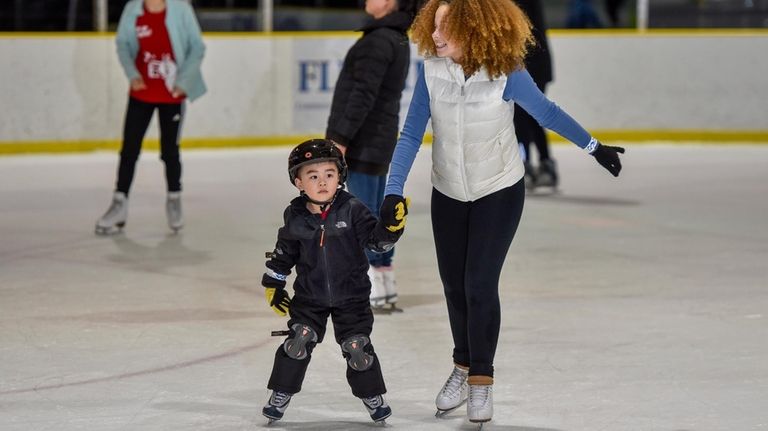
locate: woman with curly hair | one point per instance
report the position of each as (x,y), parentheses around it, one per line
(472,77)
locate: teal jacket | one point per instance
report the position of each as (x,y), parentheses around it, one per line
(186,41)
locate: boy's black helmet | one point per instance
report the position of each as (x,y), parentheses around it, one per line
(313,151)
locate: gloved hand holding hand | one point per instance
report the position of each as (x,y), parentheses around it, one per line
(608,157)
(393,212)
(278,299)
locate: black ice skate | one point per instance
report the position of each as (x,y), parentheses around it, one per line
(377,408)
(547,175)
(276,406)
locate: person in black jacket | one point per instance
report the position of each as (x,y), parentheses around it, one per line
(364,117)
(539,65)
(325,235)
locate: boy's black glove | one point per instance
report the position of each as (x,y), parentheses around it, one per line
(382,240)
(277,297)
(393,212)
(608,158)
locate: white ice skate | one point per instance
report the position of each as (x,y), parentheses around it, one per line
(390,290)
(454,392)
(480,404)
(276,406)
(378,294)
(173,211)
(114,219)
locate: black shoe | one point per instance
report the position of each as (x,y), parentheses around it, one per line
(377,408)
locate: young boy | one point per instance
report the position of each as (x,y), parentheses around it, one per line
(325,235)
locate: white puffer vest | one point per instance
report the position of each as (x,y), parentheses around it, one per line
(475,151)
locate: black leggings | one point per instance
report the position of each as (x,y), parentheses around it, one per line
(137,117)
(528,130)
(472,240)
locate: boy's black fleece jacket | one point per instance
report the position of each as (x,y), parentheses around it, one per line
(329,255)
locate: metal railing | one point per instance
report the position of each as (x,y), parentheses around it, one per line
(297,15)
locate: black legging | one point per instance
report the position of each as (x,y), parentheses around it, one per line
(472,240)
(137,117)
(528,130)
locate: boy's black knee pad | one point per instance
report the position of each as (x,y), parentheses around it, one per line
(301,341)
(357,349)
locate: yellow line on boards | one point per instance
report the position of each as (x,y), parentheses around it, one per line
(607,136)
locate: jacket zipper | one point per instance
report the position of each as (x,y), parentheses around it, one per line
(325,263)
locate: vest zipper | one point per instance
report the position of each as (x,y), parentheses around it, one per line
(461,142)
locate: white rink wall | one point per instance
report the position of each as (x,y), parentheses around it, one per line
(65,88)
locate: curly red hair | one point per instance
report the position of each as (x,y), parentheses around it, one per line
(495,34)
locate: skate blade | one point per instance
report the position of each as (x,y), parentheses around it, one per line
(382,421)
(443,413)
(271,419)
(544,191)
(386,309)
(480,421)
(108,231)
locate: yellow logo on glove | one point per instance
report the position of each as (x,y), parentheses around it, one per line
(401,211)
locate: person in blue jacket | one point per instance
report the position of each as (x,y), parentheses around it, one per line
(160,47)
(472,77)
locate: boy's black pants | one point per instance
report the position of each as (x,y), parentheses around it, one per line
(137,117)
(350,318)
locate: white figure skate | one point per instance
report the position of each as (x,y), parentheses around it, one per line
(114,219)
(173,211)
(454,392)
(480,404)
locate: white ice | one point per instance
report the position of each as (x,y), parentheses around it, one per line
(637,303)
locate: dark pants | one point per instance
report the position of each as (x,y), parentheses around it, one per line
(369,189)
(351,318)
(528,130)
(137,117)
(582,14)
(472,240)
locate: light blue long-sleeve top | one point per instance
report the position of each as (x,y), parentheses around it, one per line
(520,89)
(186,42)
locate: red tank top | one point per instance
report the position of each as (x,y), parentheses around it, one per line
(155,59)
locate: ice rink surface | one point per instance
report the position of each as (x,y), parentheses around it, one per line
(638,303)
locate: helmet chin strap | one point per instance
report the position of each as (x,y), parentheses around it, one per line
(323,204)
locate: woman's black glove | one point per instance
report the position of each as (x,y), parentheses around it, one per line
(393,212)
(608,157)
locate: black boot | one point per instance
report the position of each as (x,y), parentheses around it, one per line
(547,175)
